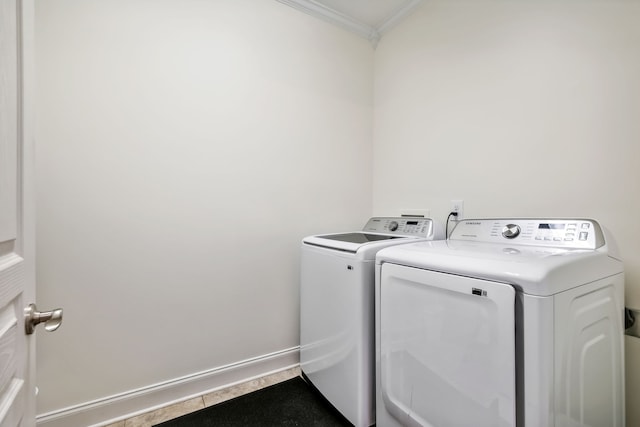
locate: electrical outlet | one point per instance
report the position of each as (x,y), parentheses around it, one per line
(457,206)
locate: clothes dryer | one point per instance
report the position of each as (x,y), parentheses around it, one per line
(509,322)
(337,310)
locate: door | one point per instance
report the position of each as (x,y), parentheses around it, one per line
(17,269)
(447,349)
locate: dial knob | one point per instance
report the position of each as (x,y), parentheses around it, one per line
(511,231)
(393,225)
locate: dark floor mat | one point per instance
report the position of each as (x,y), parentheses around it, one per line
(290,403)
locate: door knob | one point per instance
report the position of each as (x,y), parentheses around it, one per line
(32,317)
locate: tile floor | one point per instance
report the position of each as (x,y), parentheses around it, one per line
(173,411)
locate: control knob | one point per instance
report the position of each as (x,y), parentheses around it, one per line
(393,225)
(511,231)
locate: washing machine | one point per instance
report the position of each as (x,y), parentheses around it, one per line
(508,322)
(337,309)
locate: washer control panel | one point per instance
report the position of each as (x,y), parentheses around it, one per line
(561,233)
(406,226)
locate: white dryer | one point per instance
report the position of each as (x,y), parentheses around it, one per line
(337,310)
(509,322)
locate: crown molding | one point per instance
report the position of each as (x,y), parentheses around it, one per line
(397,16)
(340,19)
(317,10)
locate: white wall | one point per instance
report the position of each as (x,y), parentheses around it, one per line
(184,147)
(520,108)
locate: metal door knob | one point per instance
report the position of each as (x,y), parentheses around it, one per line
(32,317)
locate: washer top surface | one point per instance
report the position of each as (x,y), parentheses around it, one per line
(538,256)
(359,237)
(378,232)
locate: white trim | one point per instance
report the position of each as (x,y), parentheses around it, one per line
(398,16)
(114,408)
(347,22)
(318,10)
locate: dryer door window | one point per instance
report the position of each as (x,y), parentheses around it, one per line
(447,348)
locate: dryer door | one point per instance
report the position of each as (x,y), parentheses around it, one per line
(447,349)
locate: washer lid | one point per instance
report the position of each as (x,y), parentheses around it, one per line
(365,244)
(378,232)
(358,237)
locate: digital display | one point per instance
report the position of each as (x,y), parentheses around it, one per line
(551,226)
(412,222)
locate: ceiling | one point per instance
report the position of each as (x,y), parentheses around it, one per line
(367,18)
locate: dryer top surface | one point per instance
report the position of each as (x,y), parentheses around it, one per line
(537,260)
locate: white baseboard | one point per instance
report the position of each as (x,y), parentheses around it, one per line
(134,402)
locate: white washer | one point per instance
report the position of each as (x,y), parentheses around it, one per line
(337,310)
(509,322)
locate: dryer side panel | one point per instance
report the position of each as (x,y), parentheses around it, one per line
(589,361)
(447,349)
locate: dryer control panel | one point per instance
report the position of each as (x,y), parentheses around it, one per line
(550,232)
(406,226)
